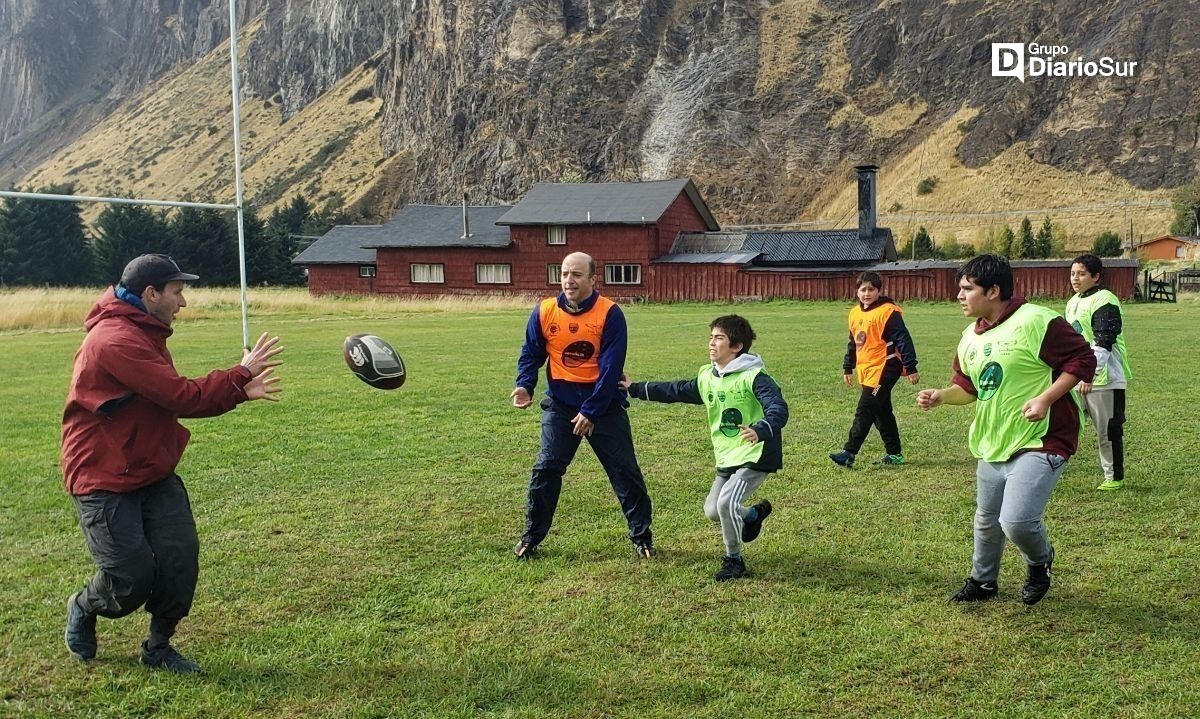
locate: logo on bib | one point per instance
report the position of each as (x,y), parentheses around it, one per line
(577,353)
(731,420)
(989,380)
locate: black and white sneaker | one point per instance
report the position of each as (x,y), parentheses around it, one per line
(525,549)
(80,634)
(1037,583)
(974,591)
(644,549)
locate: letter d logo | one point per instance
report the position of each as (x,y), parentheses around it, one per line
(1008,60)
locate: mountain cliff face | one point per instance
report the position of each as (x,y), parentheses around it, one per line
(761,102)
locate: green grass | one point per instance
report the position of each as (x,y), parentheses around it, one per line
(356,544)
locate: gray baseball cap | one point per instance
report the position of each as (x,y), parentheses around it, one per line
(147,270)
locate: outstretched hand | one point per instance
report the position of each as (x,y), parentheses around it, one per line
(520,398)
(264,385)
(259,357)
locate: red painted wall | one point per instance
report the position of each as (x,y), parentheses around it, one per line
(681,216)
(338,280)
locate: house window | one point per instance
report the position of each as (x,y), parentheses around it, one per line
(427,273)
(554,274)
(366,270)
(493,274)
(622,274)
(556,234)
(1180,252)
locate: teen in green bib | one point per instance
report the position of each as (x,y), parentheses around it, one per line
(1095,312)
(1017,363)
(746,413)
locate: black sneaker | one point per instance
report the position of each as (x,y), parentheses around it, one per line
(80,634)
(1037,583)
(169,659)
(843,459)
(525,549)
(644,549)
(973,591)
(731,568)
(750,530)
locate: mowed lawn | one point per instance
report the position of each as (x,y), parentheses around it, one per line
(356,544)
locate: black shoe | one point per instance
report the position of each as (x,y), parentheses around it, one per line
(750,530)
(644,549)
(169,659)
(731,568)
(81,631)
(1037,583)
(843,459)
(525,549)
(973,591)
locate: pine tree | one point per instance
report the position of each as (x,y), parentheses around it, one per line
(205,245)
(45,241)
(1027,245)
(1045,239)
(125,231)
(1107,244)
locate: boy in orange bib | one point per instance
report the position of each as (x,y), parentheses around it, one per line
(880,351)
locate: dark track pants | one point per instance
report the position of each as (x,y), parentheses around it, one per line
(612,441)
(145,545)
(875,410)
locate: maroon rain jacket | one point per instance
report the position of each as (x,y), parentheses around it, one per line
(120,426)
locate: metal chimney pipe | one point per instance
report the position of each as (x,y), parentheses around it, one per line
(866,201)
(466,222)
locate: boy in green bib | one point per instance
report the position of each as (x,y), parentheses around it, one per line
(1095,313)
(1017,363)
(746,414)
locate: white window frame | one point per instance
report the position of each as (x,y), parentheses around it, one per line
(620,273)
(556,234)
(493,273)
(1180,252)
(431,273)
(366,270)
(554,274)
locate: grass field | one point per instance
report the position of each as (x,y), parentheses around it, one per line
(356,543)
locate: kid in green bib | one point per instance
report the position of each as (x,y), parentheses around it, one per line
(1095,312)
(746,413)
(1017,363)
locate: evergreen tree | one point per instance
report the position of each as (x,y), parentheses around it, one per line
(1027,245)
(1107,244)
(124,232)
(205,245)
(1045,239)
(45,241)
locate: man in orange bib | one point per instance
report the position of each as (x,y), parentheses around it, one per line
(584,337)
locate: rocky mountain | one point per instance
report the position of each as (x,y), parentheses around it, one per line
(765,103)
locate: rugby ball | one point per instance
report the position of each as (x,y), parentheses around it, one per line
(374,361)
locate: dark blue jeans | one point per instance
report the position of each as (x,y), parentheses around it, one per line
(612,441)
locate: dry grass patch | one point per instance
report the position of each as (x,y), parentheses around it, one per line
(66,307)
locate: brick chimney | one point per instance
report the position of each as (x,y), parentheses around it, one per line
(866,200)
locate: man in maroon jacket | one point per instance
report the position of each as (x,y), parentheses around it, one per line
(121,441)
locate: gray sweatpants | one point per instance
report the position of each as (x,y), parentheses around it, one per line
(1010,501)
(1106,409)
(724,504)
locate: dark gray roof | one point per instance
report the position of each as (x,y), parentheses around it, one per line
(794,247)
(708,258)
(612,203)
(442,226)
(342,245)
